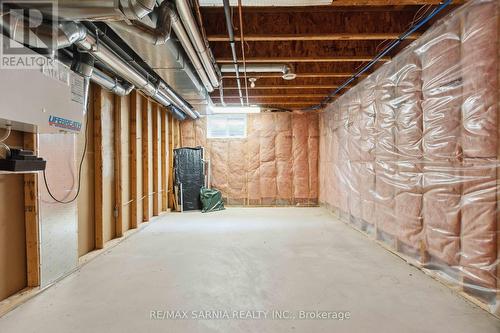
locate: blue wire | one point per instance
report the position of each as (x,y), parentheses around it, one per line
(391,46)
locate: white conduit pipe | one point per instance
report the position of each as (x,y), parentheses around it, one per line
(184,10)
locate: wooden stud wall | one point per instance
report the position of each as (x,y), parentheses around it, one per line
(118,212)
(159,135)
(163,161)
(171,146)
(31,218)
(156,176)
(145,159)
(98,160)
(134,99)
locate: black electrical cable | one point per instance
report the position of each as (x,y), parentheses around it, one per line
(81,163)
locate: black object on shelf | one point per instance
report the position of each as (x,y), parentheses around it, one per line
(22,161)
(189,171)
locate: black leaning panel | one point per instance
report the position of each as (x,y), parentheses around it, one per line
(188,171)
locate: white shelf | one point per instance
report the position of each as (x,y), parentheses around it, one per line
(2,172)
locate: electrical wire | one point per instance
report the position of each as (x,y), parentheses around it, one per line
(79,168)
(5,136)
(384,52)
(242,42)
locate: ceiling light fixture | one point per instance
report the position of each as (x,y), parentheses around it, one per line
(252,82)
(235,109)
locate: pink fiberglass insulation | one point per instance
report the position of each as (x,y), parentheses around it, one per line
(237,169)
(200,129)
(407,102)
(480,76)
(367,137)
(384,197)
(479,210)
(441,210)
(355,202)
(325,148)
(253,160)
(188,133)
(219,160)
(427,137)
(300,157)
(284,160)
(268,172)
(367,191)
(409,203)
(276,164)
(353,108)
(440,53)
(313,156)
(409,128)
(385,144)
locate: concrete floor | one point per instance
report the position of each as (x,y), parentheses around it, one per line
(248,259)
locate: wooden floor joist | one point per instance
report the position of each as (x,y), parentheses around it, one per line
(313,37)
(215,97)
(304,59)
(389,2)
(299,75)
(317,86)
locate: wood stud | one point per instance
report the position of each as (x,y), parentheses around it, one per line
(145,158)
(134,100)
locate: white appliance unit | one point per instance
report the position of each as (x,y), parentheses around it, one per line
(45,99)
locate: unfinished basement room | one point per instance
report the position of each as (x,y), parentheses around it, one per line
(250,166)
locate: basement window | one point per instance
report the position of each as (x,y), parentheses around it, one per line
(227,126)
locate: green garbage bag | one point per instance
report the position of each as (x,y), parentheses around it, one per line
(211,200)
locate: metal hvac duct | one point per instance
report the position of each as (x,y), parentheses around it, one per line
(95,10)
(286,70)
(160,92)
(168,19)
(201,47)
(78,34)
(110,83)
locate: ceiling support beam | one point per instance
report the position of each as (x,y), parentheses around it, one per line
(305,59)
(389,2)
(274,96)
(299,75)
(314,37)
(287,87)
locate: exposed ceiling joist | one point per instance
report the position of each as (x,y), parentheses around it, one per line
(274,96)
(389,2)
(286,87)
(304,59)
(299,75)
(312,37)
(300,104)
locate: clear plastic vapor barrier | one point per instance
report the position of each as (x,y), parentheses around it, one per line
(410,155)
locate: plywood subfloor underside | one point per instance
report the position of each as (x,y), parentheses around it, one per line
(248,259)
